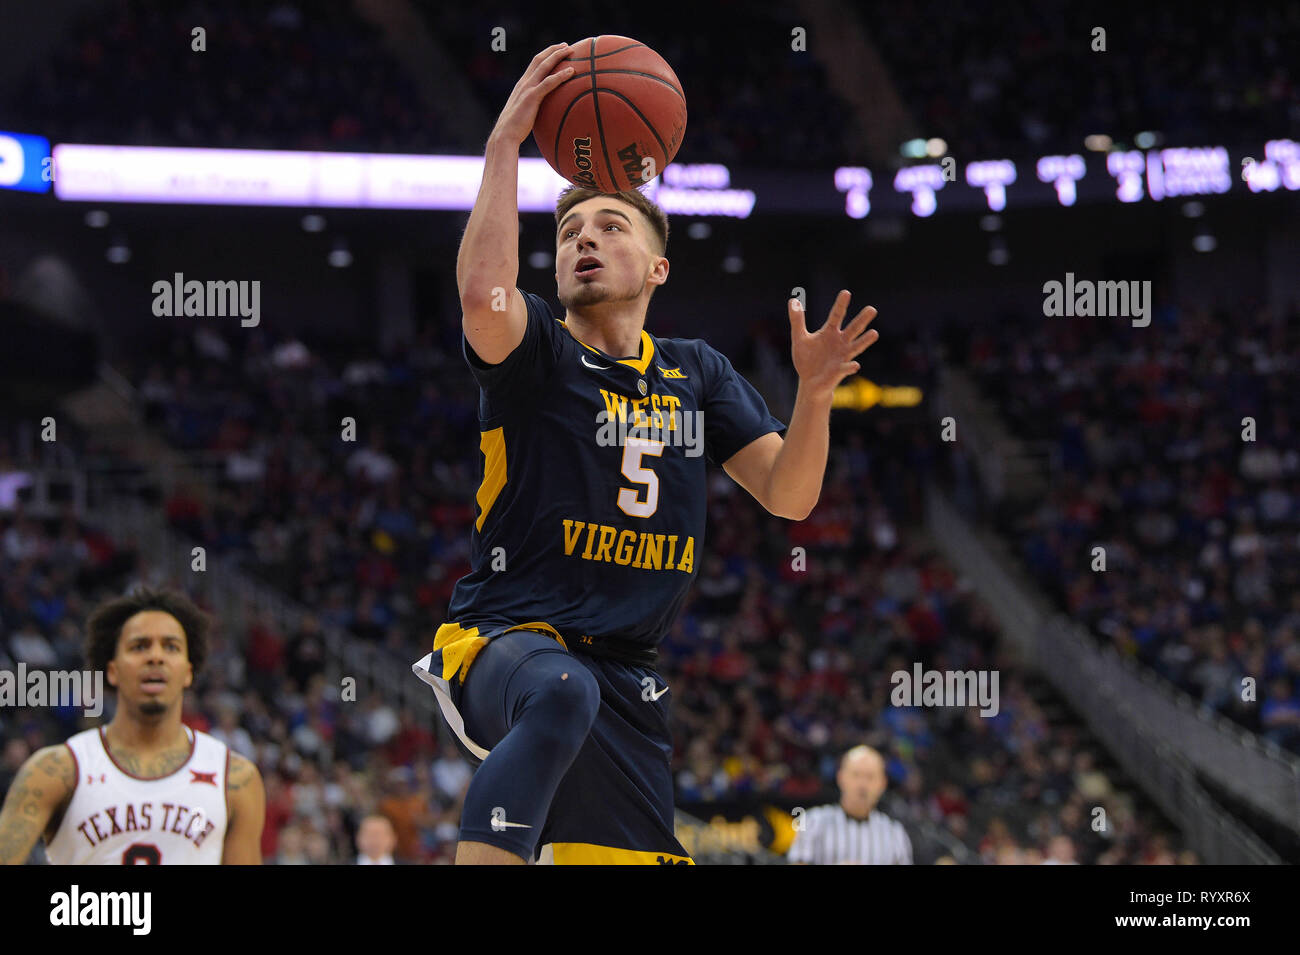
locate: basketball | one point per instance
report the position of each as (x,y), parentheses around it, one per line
(618,121)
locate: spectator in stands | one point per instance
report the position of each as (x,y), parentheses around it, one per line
(1280,715)
(1060,851)
(376,841)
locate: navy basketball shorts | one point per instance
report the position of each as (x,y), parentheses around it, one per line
(614,804)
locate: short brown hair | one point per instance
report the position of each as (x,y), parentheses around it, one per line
(104,627)
(656,217)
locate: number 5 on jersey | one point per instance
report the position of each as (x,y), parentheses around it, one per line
(629,501)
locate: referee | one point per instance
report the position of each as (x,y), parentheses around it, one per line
(855,832)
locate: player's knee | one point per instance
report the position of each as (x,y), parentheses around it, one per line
(564,705)
(575,692)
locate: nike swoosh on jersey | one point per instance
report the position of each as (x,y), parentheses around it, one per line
(655,696)
(503,824)
(590,365)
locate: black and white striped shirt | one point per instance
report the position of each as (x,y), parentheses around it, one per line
(830,836)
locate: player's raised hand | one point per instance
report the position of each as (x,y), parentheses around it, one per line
(520,112)
(824,358)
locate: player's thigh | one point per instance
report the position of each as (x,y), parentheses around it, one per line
(510,673)
(618,793)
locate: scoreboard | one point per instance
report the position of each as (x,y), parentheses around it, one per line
(142,174)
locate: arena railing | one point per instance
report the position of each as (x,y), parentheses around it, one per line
(1147,755)
(1101,684)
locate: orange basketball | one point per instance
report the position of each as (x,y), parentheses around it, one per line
(617,121)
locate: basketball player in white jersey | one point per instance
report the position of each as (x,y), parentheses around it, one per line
(145,789)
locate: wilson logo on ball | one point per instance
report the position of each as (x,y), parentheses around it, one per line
(582,162)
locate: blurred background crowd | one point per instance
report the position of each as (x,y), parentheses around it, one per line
(1202,580)
(776,670)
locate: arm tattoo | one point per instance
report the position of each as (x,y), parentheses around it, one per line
(58,766)
(241,773)
(25,812)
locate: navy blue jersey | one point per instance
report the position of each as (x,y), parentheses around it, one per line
(591,511)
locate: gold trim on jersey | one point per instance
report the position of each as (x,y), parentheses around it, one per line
(493,445)
(539,625)
(459,645)
(586,853)
(640,364)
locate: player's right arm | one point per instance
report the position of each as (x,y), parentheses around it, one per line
(42,787)
(494,316)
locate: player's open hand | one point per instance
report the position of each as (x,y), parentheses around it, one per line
(824,358)
(520,112)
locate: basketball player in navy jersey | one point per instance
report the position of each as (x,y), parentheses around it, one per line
(591,513)
(145,789)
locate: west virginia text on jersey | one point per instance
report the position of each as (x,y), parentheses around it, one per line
(591,535)
(630,548)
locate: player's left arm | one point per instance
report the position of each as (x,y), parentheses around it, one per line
(785,475)
(247,800)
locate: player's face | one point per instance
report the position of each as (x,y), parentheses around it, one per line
(613,232)
(862,780)
(152,667)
